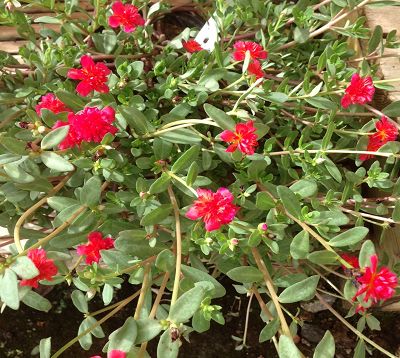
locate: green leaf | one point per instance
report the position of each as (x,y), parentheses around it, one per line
(349,290)
(60,203)
(264,201)
(359,351)
(107,294)
(161,148)
(301,35)
(13,145)
(136,120)
(157,215)
(55,137)
(322,257)
(276,97)
(134,242)
(160,184)
(192,173)
(301,291)
(373,323)
(321,102)
(289,201)
(349,237)
(123,338)
(167,348)
(287,348)
(220,117)
(47,20)
(71,100)
(45,347)
(18,175)
(98,331)
(9,289)
(25,268)
(37,302)
(392,110)
(181,136)
(56,162)
(91,192)
(300,245)
(79,301)
(197,275)
(165,261)
(245,274)
(86,340)
(269,330)
(325,348)
(147,329)
(187,304)
(304,188)
(396,211)
(105,42)
(186,159)
(367,250)
(375,39)
(199,323)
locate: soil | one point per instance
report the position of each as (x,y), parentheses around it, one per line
(21,331)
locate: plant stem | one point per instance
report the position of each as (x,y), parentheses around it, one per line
(54,233)
(143,291)
(354,330)
(268,281)
(208,121)
(98,323)
(246,93)
(375,217)
(178,241)
(246,325)
(333,151)
(381,114)
(154,309)
(326,26)
(32,209)
(161,131)
(180,180)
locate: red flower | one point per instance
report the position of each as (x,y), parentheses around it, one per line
(386,132)
(93,76)
(216,209)
(92,249)
(46,267)
(89,125)
(352,260)
(360,91)
(242,138)
(376,285)
(114,354)
(256,50)
(52,103)
(126,16)
(192,46)
(255,69)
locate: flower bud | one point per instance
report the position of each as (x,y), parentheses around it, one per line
(262,227)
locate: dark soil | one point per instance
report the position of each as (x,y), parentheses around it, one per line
(21,331)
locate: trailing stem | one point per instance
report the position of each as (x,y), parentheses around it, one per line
(143,291)
(270,286)
(121,305)
(178,245)
(354,330)
(31,210)
(154,310)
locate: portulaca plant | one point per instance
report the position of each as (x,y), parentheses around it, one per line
(169,160)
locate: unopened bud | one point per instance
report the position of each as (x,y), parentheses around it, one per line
(41,129)
(263,227)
